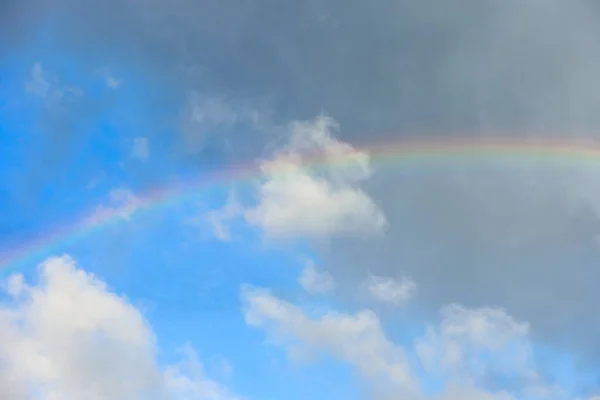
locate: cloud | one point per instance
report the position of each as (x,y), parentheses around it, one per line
(38,84)
(45,85)
(304,60)
(121,201)
(466,351)
(489,233)
(187,380)
(112,82)
(389,290)
(207,118)
(221,218)
(70,337)
(295,201)
(64,119)
(479,345)
(209,112)
(107,75)
(314,281)
(465,336)
(222,366)
(140,148)
(356,339)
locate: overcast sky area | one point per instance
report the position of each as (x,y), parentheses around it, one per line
(194,201)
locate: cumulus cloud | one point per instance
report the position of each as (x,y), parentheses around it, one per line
(356,339)
(484,329)
(467,350)
(389,290)
(475,345)
(298,199)
(70,337)
(314,281)
(310,189)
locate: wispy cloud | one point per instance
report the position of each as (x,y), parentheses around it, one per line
(112,82)
(48,86)
(464,351)
(38,83)
(140,148)
(314,281)
(389,290)
(219,220)
(120,201)
(206,117)
(356,339)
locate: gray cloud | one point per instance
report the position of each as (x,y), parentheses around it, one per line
(490,239)
(312,53)
(383,67)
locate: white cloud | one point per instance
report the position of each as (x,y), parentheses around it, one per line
(121,201)
(187,380)
(69,337)
(140,148)
(470,344)
(356,339)
(297,201)
(219,219)
(74,90)
(314,281)
(389,290)
(38,83)
(464,333)
(112,82)
(46,85)
(466,349)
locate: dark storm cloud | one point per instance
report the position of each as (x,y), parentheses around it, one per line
(381,66)
(377,66)
(386,69)
(490,238)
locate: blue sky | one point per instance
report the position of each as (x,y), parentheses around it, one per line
(357,281)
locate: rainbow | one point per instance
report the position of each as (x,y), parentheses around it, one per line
(401,153)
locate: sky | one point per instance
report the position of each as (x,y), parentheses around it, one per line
(195,202)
